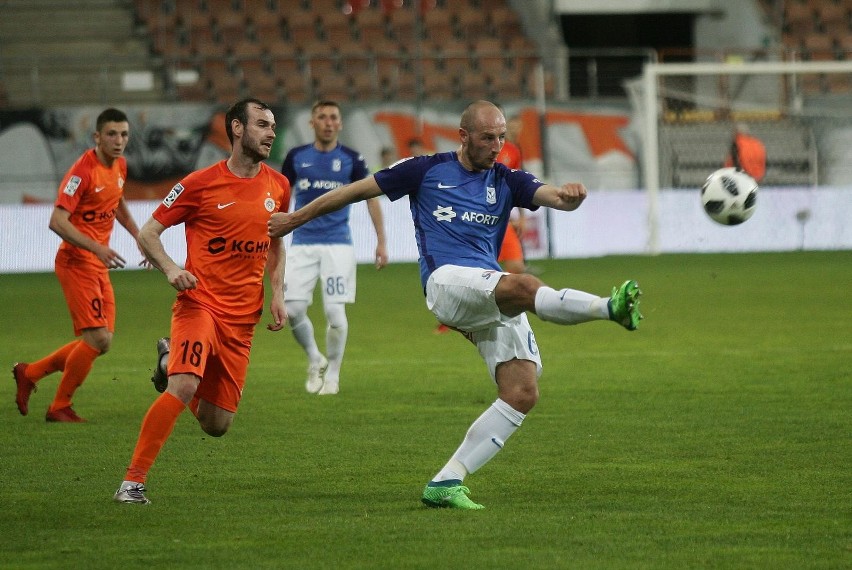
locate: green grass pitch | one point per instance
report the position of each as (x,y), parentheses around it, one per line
(717,436)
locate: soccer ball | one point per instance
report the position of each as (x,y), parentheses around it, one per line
(729,196)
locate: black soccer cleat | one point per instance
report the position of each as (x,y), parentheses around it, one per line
(160,378)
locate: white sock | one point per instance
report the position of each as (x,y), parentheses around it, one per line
(335,339)
(569,307)
(485,437)
(303,328)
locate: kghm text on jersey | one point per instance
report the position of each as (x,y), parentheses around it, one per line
(219,244)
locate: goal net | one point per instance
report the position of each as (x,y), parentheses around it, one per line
(801,110)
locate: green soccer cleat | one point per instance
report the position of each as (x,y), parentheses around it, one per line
(624,305)
(453,497)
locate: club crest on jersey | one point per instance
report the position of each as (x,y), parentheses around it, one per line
(491,195)
(176,191)
(269,204)
(72,185)
(120,182)
(336,165)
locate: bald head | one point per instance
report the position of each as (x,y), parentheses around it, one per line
(482,130)
(480,113)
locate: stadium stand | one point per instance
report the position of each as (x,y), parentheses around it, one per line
(690,153)
(359,36)
(46,60)
(163,36)
(383,40)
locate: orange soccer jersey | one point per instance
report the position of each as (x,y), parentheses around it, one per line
(751,156)
(91,191)
(511,249)
(226,235)
(510,155)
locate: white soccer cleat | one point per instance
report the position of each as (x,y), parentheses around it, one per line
(131,492)
(316,373)
(329,388)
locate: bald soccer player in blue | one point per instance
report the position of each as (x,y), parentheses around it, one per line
(460,204)
(322,250)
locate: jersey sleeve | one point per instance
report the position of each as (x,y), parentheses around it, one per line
(404,177)
(287,168)
(523,186)
(284,183)
(73,185)
(359,168)
(181,202)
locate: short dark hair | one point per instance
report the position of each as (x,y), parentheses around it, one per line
(239,111)
(324,103)
(110,115)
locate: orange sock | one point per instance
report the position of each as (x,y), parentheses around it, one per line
(77,366)
(54,361)
(156,428)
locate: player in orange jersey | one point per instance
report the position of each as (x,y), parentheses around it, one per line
(511,254)
(224,209)
(90,199)
(748,153)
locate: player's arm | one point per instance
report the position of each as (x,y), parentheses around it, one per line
(567,197)
(60,224)
(275,269)
(374,207)
(282,223)
(152,248)
(125,218)
(520,223)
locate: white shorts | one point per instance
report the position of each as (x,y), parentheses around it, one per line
(333,265)
(463,298)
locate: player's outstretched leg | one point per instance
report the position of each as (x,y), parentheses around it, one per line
(448,494)
(24,388)
(624,305)
(160,378)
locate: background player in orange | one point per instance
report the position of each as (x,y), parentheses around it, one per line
(224,209)
(748,153)
(511,254)
(91,198)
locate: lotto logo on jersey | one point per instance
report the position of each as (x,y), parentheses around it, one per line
(176,191)
(72,185)
(444,214)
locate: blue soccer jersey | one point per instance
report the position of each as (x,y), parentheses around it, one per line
(459,216)
(312,173)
